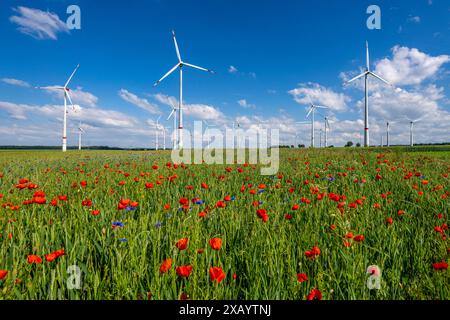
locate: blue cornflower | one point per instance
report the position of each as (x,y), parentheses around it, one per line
(130,208)
(158,225)
(199,202)
(118,224)
(123,240)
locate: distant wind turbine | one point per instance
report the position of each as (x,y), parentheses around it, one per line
(312,111)
(366,75)
(80,132)
(173,115)
(180,65)
(66,91)
(411,130)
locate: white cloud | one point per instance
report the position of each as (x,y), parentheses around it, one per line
(15,111)
(16,82)
(38,24)
(320,95)
(139,102)
(244,104)
(414,19)
(409,66)
(232,69)
(80,97)
(198,111)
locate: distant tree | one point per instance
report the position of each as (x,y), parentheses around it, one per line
(292,146)
(358,145)
(349,144)
(301,146)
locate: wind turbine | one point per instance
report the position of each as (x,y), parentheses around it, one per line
(173,115)
(411,130)
(366,75)
(180,66)
(157,134)
(66,91)
(312,111)
(388,131)
(326,128)
(80,132)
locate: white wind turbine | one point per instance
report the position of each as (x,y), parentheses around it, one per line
(180,66)
(388,131)
(366,75)
(80,132)
(157,134)
(66,91)
(411,130)
(173,115)
(312,111)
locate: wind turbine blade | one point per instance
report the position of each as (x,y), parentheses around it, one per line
(176,46)
(321,107)
(70,99)
(171,114)
(50,88)
(380,78)
(310,110)
(71,76)
(356,78)
(197,67)
(165,76)
(367,56)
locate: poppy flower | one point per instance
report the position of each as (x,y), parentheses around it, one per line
(220,204)
(62,198)
(165,266)
(182,244)
(184,201)
(315,251)
(86,203)
(3,274)
(216,274)
(184,271)
(301,277)
(149,185)
(315,294)
(34,259)
(50,257)
(400,212)
(295,207)
(59,253)
(287,216)
(83,184)
(204,185)
(359,238)
(333,227)
(349,235)
(215,243)
(389,221)
(166,206)
(440,266)
(95,212)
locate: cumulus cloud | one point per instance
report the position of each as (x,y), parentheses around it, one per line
(320,95)
(16,82)
(38,24)
(409,66)
(414,19)
(244,104)
(139,102)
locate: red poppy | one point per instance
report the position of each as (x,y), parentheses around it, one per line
(359,238)
(216,274)
(349,235)
(165,266)
(287,216)
(215,243)
(333,227)
(389,221)
(295,207)
(202,214)
(184,201)
(86,203)
(182,244)
(62,198)
(440,266)
(315,251)
(166,206)
(377,206)
(184,271)
(3,274)
(315,294)
(149,185)
(220,204)
(302,277)
(59,253)
(400,212)
(50,257)
(95,212)
(227,198)
(34,259)
(83,184)
(204,186)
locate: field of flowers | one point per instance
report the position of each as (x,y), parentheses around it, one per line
(141,227)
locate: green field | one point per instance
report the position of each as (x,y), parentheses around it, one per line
(383,207)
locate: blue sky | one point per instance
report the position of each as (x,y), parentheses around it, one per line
(268,55)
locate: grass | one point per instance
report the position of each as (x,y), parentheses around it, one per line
(264,257)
